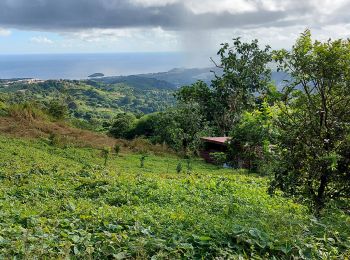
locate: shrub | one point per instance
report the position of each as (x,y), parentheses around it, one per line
(61,141)
(57,109)
(116,149)
(252,138)
(26,111)
(219,158)
(105,154)
(142,160)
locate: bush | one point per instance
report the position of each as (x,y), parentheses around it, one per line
(252,138)
(26,111)
(61,141)
(147,125)
(142,159)
(105,154)
(116,149)
(219,158)
(57,109)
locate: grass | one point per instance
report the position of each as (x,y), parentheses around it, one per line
(62,203)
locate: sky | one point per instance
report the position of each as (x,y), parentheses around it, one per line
(196,27)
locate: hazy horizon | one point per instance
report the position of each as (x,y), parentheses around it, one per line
(81,65)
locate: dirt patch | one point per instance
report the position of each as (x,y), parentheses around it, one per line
(33,129)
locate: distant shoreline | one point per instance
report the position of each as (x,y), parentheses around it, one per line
(80,66)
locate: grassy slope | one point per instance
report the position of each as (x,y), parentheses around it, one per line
(41,128)
(62,202)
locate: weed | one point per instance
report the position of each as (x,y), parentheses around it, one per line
(179,168)
(105,154)
(116,149)
(142,160)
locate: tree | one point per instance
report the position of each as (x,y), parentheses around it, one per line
(123,125)
(182,127)
(146,125)
(314,124)
(245,73)
(199,94)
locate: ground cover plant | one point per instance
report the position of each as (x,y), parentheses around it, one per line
(62,202)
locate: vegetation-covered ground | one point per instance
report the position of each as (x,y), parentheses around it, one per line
(91,101)
(62,202)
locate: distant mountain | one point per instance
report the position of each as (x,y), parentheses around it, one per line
(96,75)
(176,78)
(181,76)
(279,78)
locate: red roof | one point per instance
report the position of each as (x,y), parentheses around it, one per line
(216,140)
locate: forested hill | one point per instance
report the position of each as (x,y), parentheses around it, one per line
(91,100)
(180,76)
(138,82)
(176,78)
(171,79)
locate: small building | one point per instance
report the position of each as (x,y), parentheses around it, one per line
(213,145)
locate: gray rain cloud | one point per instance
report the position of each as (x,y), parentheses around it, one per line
(65,15)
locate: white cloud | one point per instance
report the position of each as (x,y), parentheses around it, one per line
(148,3)
(211,6)
(131,39)
(4,32)
(41,40)
(327,7)
(101,35)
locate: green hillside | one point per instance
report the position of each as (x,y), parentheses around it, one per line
(139,82)
(63,203)
(91,101)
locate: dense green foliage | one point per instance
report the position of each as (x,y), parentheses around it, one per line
(180,127)
(123,125)
(301,134)
(314,122)
(90,104)
(57,109)
(245,74)
(59,203)
(253,137)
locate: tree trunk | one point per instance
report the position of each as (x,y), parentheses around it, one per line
(320,198)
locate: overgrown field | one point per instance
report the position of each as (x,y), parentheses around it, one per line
(62,202)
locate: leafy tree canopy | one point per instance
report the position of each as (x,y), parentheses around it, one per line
(313,157)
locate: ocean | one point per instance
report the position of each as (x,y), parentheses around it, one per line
(80,66)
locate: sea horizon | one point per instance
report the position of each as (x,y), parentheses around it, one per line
(81,65)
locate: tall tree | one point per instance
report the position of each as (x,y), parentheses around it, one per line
(313,158)
(245,73)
